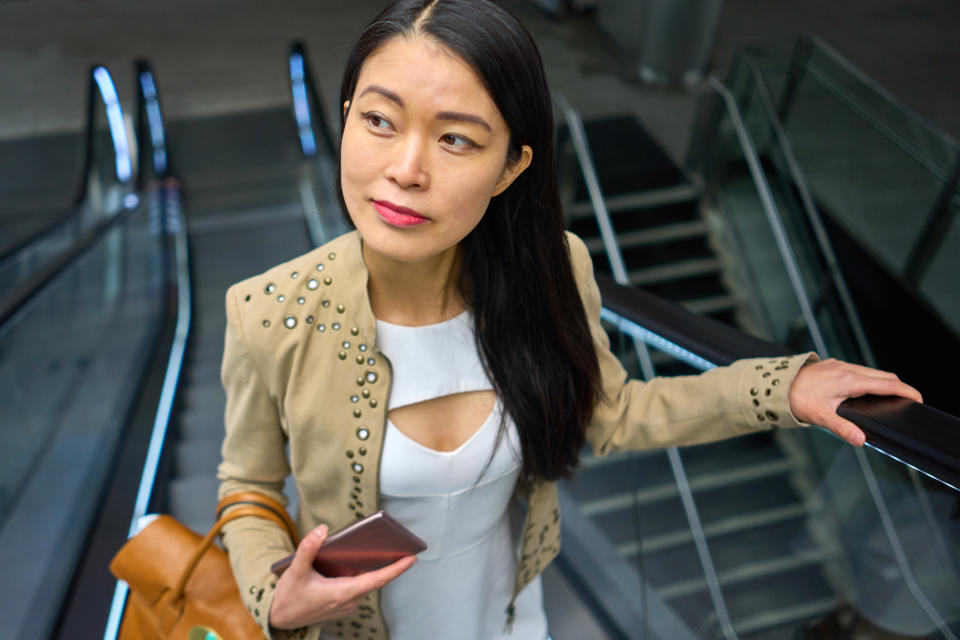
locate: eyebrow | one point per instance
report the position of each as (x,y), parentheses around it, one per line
(382,91)
(463,117)
(441,115)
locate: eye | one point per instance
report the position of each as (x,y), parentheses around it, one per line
(376,121)
(457,141)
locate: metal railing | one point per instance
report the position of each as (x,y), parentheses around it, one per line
(582,149)
(776,225)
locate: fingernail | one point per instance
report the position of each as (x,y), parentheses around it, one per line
(321,531)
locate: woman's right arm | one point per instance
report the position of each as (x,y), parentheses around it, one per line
(254,459)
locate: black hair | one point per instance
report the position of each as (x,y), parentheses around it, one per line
(515,275)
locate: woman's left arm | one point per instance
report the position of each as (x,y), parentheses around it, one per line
(745,397)
(820,387)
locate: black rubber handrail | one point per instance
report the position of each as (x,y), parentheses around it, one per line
(88,604)
(719,343)
(18,297)
(315,108)
(93,90)
(150,128)
(917,434)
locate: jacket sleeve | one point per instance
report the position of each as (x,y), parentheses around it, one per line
(747,396)
(254,459)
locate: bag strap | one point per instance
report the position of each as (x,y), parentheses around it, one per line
(260,500)
(241,505)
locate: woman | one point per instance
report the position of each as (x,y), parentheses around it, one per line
(448,354)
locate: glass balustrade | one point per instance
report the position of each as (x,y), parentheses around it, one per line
(798,532)
(107,188)
(70,365)
(884,172)
(791,533)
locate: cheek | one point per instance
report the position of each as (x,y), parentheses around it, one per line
(473,195)
(355,166)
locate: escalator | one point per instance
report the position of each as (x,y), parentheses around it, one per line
(79,323)
(260,190)
(787,530)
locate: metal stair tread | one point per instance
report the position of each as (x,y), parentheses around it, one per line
(197,456)
(201,424)
(699,458)
(651,235)
(708,481)
(733,524)
(749,571)
(193,499)
(783,615)
(675,270)
(638,200)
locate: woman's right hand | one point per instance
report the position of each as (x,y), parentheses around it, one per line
(305,597)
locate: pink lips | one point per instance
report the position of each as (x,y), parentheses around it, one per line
(396,215)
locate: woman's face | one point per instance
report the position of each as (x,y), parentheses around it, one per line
(424,149)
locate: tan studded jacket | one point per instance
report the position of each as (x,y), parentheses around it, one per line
(307,393)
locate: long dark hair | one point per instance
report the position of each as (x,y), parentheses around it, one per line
(515,267)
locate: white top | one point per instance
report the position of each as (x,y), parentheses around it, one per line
(462,583)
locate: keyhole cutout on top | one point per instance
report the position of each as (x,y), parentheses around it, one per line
(444,424)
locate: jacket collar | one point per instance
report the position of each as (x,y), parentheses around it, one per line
(344,255)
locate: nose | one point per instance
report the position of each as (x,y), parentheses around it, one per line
(408,167)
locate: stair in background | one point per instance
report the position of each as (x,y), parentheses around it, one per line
(770,568)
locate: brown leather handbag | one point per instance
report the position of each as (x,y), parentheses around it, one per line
(181,584)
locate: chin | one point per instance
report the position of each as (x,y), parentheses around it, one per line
(403,245)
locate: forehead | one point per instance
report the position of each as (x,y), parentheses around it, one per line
(424,72)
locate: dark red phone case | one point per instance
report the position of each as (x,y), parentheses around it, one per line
(366,545)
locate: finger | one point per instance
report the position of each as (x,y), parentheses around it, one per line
(846,430)
(886,387)
(868,371)
(372,580)
(307,551)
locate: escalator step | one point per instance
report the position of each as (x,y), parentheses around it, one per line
(198,457)
(193,500)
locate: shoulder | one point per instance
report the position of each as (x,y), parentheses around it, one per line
(294,294)
(581,263)
(580,258)
(578,248)
(285,283)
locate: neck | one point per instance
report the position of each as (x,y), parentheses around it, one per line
(414,293)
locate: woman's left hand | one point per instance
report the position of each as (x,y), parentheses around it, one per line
(819,388)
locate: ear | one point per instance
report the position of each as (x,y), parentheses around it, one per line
(346,107)
(514,169)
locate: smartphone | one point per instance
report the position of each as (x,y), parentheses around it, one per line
(365,545)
